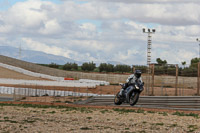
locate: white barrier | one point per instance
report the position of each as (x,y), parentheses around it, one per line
(46,83)
(71,83)
(97,82)
(41,92)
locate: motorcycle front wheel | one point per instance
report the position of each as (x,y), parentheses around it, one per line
(117,100)
(133,99)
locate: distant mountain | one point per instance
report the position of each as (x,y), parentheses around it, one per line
(40,57)
(34,56)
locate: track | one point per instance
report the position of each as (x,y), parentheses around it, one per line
(6,99)
(162,102)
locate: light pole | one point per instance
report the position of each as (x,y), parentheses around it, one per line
(149,43)
(198,40)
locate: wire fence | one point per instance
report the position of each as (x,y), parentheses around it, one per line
(172,80)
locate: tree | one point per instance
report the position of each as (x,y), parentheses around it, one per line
(110,68)
(75,66)
(194,62)
(122,68)
(161,62)
(88,66)
(53,65)
(183,63)
(106,67)
(102,67)
(70,66)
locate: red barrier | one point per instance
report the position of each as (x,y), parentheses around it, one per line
(68,78)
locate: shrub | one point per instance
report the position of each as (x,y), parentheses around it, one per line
(88,66)
(54,65)
(70,66)
(106,67)
(122,68)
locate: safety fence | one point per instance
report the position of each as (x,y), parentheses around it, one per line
(172,80)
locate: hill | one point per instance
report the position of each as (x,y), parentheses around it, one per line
(35,56)
(41,57)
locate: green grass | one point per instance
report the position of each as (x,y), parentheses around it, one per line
(11,121)
(163,113)
(173,125)
(29,121)
(89,118)
(52,112)
(85,128)
(105,111)
(140,111)
(192,128)
(123,110)
(82,109)
(183,114)
(160,124)
(151,112)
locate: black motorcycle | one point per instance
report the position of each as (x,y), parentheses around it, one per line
(130,94)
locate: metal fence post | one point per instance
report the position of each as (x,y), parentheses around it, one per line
(152,85)
(176,84)
(14,96)
(198,78)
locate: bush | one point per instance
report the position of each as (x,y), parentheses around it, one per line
(122,68)
(70,66)
(88,66)
(106,67)
(54,65)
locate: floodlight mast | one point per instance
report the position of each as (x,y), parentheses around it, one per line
(198,40)
(149,43)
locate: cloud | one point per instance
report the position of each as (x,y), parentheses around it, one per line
(59,29)
(150,1)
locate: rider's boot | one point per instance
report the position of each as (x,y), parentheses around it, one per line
(121,92)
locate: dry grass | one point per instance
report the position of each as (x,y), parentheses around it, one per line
(90,120)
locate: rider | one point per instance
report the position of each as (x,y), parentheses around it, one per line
(132,80)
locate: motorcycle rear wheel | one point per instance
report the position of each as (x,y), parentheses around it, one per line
(134,99)
(117,100)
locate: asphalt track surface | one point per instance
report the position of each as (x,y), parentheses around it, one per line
(6,99)
(190,103)
(160,102)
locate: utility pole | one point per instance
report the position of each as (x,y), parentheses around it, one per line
(149,43)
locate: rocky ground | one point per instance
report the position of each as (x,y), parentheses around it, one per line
(37,118)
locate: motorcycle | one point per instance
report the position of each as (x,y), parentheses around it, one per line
(130,94)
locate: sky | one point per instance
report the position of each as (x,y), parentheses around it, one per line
(103,30)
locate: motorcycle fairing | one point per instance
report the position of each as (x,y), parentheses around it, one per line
(129,90)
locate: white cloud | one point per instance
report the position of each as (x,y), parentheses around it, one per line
(54,28)
(50,27)
(38,46)
(150,1)
(88,26)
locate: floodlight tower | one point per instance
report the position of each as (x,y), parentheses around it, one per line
(198,40)
(149,43)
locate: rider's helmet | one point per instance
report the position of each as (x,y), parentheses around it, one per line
(137,73)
